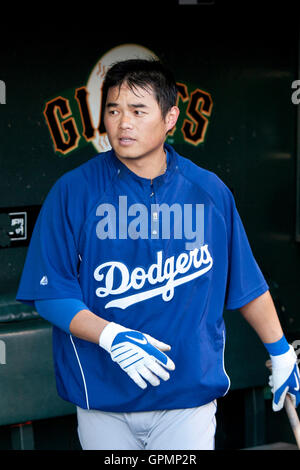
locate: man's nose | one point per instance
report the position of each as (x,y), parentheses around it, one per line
(125,122)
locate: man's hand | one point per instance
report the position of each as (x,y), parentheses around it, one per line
(138,354)
(285,379)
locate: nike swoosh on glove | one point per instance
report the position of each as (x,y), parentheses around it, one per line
(138,354)
(285,379)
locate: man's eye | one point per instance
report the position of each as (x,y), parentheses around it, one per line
(113,112)
(138,112)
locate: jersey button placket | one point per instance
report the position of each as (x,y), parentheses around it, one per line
(154,207)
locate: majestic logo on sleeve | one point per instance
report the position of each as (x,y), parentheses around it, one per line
(160,279)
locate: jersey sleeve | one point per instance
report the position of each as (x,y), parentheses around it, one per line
(245,280)
(50,269)
(59,312)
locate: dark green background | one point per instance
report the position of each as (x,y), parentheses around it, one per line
(251,144)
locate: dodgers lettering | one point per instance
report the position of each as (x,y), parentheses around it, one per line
(199,259)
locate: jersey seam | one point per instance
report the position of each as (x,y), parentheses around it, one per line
(82,373)
(87,218)
(223,364)
(181,171)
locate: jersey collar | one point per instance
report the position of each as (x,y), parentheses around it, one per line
(122,171)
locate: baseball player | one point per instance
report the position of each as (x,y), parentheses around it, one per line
(134,255)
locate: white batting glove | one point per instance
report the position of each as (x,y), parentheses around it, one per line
(285,379)
(138,354)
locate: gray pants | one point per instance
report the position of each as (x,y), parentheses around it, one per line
(186,429)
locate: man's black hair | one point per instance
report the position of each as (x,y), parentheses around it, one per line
(149,74)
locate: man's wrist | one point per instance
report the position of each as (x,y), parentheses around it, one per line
(108,335)
(287,359)
(278,347)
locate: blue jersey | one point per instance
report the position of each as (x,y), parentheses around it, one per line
(100,238)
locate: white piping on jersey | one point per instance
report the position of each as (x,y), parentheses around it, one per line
(223,363)
(82,374)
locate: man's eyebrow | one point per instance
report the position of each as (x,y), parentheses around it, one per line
(111,105)
(138,105)
(133,105)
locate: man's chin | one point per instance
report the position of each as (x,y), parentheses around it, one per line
(128,155)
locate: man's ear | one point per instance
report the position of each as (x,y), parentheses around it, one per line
(171,118)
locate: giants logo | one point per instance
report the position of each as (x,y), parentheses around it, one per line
(62,122)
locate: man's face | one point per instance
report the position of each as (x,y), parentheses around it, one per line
(134,123)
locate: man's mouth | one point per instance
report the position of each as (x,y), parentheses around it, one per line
(126,140)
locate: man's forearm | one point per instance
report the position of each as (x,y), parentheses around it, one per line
(88,326)
(261,314)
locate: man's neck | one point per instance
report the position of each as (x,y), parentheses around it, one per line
(148,166)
